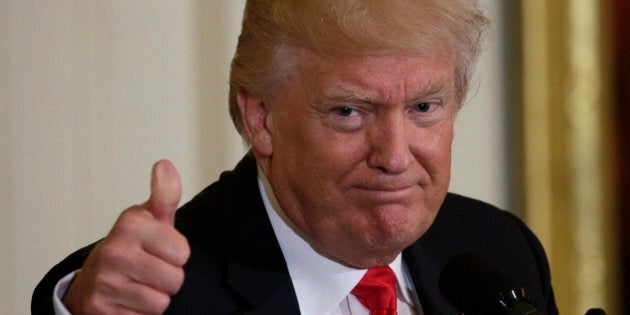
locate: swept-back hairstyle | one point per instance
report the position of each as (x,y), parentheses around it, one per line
(350,27)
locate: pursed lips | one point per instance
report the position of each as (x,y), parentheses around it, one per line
(389,184)
(391,188)
(387,192)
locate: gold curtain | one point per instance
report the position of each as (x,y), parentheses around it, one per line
(567,161)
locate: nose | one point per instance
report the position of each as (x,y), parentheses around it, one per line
(390,144)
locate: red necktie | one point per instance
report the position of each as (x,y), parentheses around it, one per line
(377,291)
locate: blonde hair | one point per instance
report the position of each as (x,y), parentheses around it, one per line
(350,27)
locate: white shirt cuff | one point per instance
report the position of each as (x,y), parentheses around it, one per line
(59,292)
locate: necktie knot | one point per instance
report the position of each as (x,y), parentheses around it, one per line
(377,291)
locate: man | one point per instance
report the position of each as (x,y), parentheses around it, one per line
(349,109)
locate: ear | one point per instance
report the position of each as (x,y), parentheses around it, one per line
(256,121)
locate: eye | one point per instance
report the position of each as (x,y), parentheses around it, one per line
(344,111)
(427,113)
(346,118)
(424,107)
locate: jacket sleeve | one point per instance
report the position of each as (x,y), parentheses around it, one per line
(41,302)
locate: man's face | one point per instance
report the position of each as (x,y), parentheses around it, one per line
(360,149)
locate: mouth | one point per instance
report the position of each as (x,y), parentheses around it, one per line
(391,188)
(385,193)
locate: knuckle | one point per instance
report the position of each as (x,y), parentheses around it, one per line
(175,247)
(183,251)
(111,255)
(175,281)
(160,303)
(129,221)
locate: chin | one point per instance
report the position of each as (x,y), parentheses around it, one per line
(400,226)
(380,249)
(369,249)
(395,244)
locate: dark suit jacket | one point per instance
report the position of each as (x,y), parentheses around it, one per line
(236,265)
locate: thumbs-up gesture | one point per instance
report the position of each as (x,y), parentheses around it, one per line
(139,265)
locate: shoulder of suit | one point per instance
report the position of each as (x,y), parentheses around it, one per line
(470,216)
(461,207)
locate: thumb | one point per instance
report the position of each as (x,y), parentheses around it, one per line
(166,190)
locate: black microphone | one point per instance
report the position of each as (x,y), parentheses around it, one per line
(477,287)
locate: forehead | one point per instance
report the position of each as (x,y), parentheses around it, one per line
(377,76)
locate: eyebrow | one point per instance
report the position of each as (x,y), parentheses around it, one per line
(349,95)
(432,87)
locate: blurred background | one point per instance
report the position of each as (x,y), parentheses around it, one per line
(93,92)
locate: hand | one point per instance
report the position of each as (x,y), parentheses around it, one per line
(139,264)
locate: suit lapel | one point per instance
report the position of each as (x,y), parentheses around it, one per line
(256,267)
(269,292)
(420,266)
(425,259)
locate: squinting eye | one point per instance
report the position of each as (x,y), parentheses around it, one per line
(344,111)
(424,107)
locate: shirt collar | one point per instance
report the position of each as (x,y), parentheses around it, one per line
(320,283)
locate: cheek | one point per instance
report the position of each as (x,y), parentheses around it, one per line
(315,161)
(331,162)
(330,153)
(432,147)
